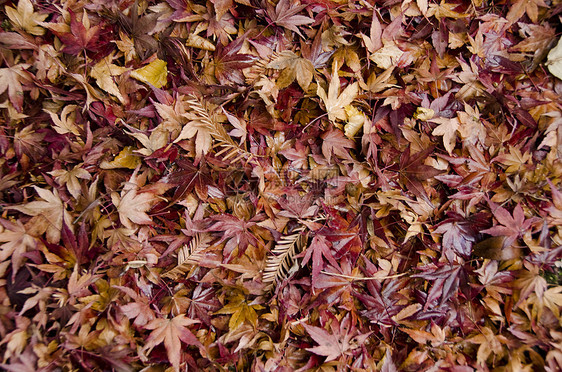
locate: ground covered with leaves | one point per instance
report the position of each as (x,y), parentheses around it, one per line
(251,185)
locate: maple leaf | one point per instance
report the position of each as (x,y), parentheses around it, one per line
(294,67)
(444,10)
(318,251)
(81,37)
(197,126)
(335,102)
(132,205)
(228,63)
(469,77)
(471,129)
(458,235)
(489,342)
(512,227)
(237,230)
(23,17)
(551,298)
(436,337)
(446,281)
(105,72)
(448,129)
(242,311)
(140,309)
(50,214)
(70,179)
(171,332)
(554,62)
(203,303)
(16,243)
(140,28)
(344,337)
(125,158)
(155,73)
(67,121)
(297,206)
(240,126)
(334,142)
(127,46)
(285,15)
(331,346)
(520,7)
(538,37)
(172,114)
(11,78)
(387,57)
(494,281)
(413,171)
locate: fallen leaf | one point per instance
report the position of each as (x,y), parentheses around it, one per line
(335,102)
(387,56)
(50,214)
(105,73)
(155,73)
(285,15)
(554,61)
(171,332)
(294,67)
(448,129)
(16,243)
(125,159)
(23,17)
(11,78)
(132,205)
(70,179)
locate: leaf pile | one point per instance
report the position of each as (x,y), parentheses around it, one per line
(280,186)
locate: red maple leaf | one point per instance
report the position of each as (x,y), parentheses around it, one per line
(286,15)
(512,227)
(318,251)
(82,36)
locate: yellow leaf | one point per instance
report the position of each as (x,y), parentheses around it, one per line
(333,100)
(104,72)
(155,73)
(241,312)
(355,120)
(423,6)
(17,242)
(444,10)
(25,18)
(347,55)
(376,84)
(424,114)
(125,159)
(158,139)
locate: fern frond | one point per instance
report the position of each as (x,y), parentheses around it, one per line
(281,260)
(190,255)
(218,132)
(259,69)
